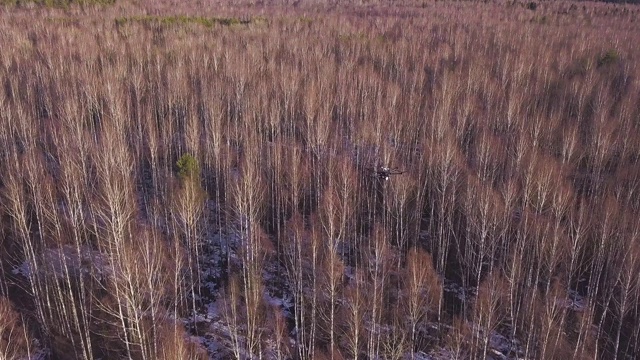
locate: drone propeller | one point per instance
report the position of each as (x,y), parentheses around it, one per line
(395,171)
(384,172)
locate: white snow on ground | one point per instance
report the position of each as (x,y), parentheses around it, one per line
(440,354)
(462,293)
(209,328)
(501,347)
(575,301)
(217,338)
(55,260)
(40,353)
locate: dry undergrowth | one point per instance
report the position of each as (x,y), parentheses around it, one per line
(517,128)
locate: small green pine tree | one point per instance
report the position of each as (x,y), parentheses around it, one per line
(188,168)
(608,58)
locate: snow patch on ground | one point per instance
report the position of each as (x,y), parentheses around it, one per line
(210,326)
(575,301)
(58,261)
(501,347)
(460,292)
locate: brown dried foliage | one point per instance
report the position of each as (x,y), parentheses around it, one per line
(517,131)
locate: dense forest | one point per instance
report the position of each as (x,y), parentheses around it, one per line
(406,180)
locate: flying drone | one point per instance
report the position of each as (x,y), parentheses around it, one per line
(383,172)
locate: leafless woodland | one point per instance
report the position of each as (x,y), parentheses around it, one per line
(513,231)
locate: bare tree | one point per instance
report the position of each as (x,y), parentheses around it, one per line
(422,291)
(353,315)
(15,341)
(628,283)
(487,313)
(188,202)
